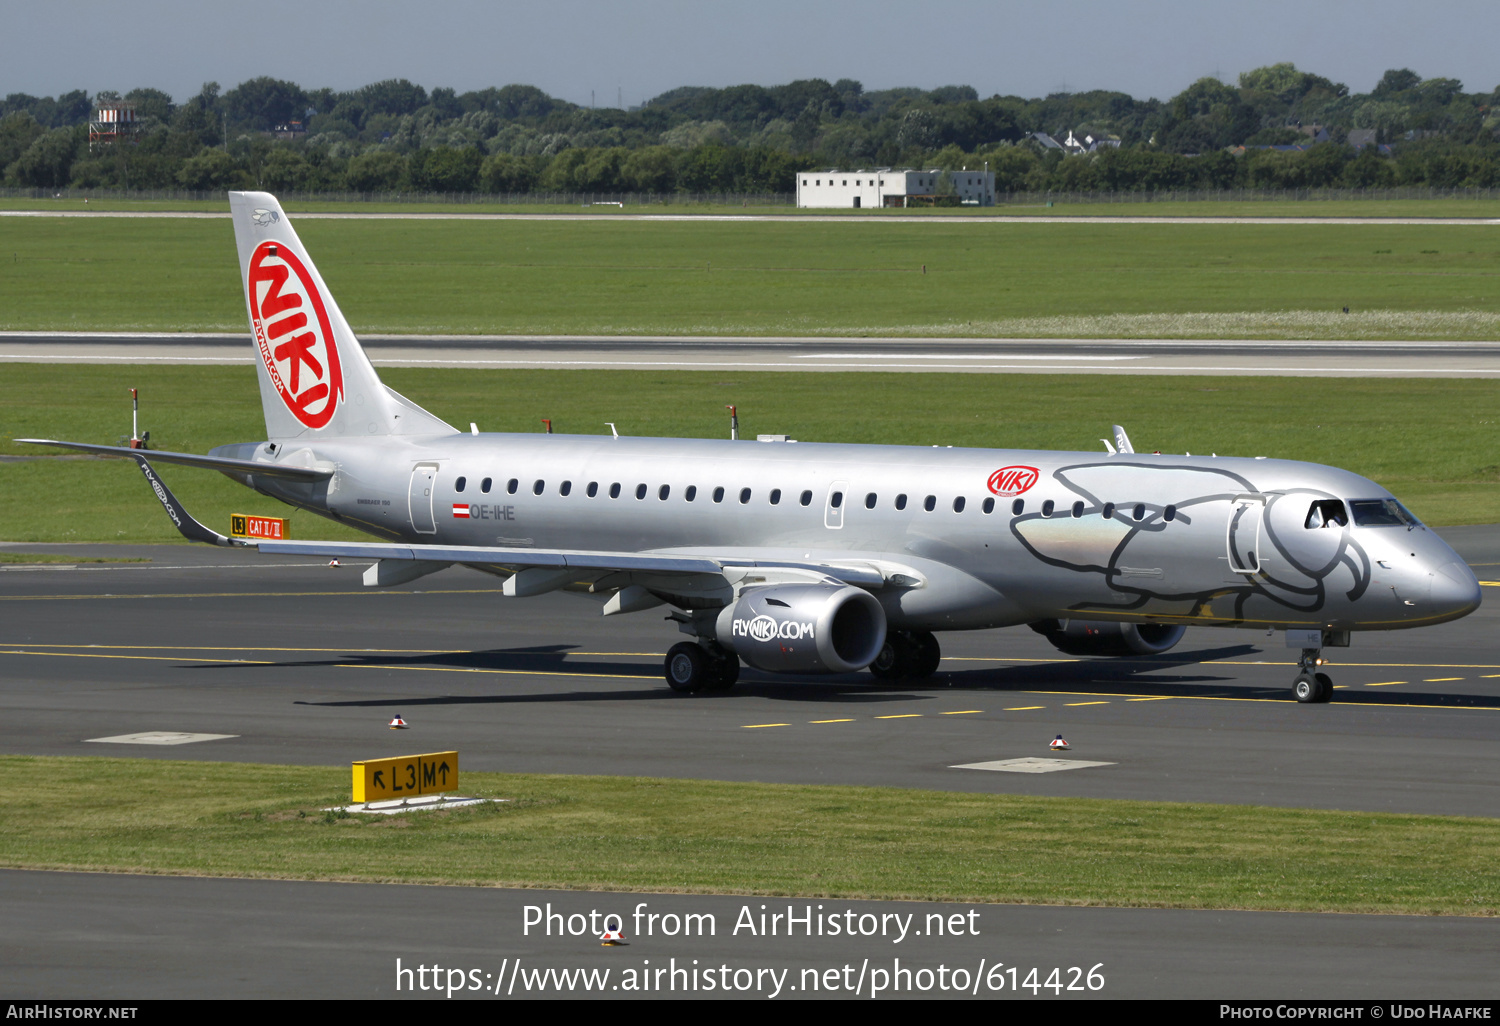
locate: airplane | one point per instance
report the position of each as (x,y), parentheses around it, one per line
(810,558)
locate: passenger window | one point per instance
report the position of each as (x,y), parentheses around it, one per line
(836,500)
(1140,512)
(1327,513)
(565,488)
(1018,507)
(870,500)
(484,486)
(691,493)
(1047,508)
(930,503)
(1077,510)
(593,489)
(1169,514)
(640,490)
(775,496)
(744,496)
(719,494)
(614,490)
(536,489)
(901,501)
(512,485)
(663,492)
(458,485)
(805,498)
(1109,511)
(958,504)
(989,504)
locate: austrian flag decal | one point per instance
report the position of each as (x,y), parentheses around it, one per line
(293,336)
(461,511)
(1009,481)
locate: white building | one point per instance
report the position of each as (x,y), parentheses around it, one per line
(883,187)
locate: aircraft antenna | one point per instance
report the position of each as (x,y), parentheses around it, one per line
(734,424)
(548,422)
(611,425)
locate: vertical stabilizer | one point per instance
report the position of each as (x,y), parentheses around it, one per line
(315,380)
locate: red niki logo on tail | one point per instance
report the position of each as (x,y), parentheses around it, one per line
(293,335)
(1009,481)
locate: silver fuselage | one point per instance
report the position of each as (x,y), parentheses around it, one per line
(1236,551)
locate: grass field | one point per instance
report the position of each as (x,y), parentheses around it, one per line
(234,819)
(777,278)
(1397,208)
(1449,473)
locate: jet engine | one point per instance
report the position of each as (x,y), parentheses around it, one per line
(1104,637)
(804,628)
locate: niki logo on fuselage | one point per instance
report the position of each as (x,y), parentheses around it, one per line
(293,335)
(1008,481)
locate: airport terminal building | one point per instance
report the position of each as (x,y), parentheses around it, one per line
(884,187)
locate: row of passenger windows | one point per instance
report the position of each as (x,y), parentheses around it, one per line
(836,500)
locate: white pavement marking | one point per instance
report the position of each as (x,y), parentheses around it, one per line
(158,737)
(1029,765)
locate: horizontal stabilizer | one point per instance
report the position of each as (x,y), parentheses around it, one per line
(188,459)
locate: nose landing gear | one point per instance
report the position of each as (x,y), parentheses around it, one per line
(1310,685)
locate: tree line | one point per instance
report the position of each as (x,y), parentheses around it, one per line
(396,136)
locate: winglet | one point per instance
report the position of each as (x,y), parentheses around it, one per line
(181,518)
(1122,440)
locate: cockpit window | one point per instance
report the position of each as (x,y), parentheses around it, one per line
(1327,513)
(1381,513)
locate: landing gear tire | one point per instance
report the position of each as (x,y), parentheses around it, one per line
(724,670)
(895,657)
(929,654)
(1312,687)
(907,655)
(688,667)
(1325,688)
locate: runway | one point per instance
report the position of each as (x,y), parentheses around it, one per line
(300,664)
(961,355)
(992,219)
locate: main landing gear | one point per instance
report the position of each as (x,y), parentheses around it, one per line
(1310,685)
(907,655)
(694,667)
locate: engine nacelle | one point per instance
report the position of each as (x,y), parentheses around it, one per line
(804,628)
(1105,637)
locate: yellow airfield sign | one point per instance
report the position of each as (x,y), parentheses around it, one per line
(405,776)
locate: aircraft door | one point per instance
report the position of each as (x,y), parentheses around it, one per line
(1247,514)
(419,498)
(833,507)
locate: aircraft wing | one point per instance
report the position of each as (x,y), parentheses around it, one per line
(557,559)
(859,573)
(188,459)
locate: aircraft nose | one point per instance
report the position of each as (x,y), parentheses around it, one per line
(1455,590)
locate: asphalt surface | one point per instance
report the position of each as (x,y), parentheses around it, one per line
(303,665)
(979,356)
(106,936)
